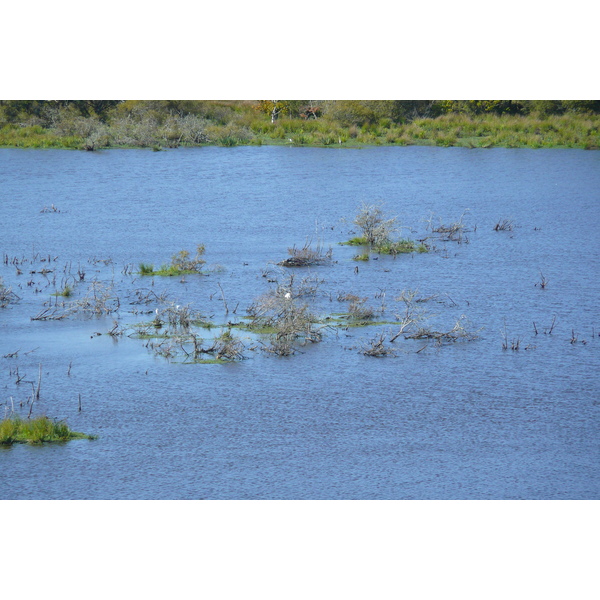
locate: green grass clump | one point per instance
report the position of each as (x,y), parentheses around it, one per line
(397,247)
(146,269)
(37,431)
(172,271)
(364,256)
(356,241)
(65,292)
(182,263)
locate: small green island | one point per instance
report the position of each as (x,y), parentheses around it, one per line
(39,430)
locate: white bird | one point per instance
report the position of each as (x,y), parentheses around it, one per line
(288,296)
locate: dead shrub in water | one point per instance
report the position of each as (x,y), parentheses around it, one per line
(359,311)
(452,232)
(7,296)
(99,300)
(307,256)
(179,316)
(285,320)
(460,332)
(377,229)
(227,347)
(376,347)
(307,286)
(412,314)
(504,225)
(182,261)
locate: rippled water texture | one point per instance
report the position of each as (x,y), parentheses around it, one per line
(458,421)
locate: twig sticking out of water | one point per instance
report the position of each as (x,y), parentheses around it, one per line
(543,283)
(504,225)
(223,298)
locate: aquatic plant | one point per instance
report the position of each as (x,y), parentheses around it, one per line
(182,263)
(397,247)
(146,269)
(356,241)
(65,292)
(41,429)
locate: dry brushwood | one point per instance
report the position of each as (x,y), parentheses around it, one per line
(376,347)
(376,228)
(458,333)
(543,284)
(358,311)
(99,300)
(226,347)
(412,315)
(306,256)
(7,296)
(449,233)
(284,319)
(504,225)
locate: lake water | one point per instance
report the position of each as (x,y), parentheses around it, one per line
(459,420)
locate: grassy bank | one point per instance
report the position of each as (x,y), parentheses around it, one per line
(170,124)
(37,431)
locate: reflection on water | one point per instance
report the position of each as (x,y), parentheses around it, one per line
(464,420)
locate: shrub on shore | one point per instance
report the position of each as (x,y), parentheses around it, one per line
(171,123)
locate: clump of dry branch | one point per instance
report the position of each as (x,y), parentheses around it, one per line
(377,347)
(451,232)
(307,256)
(286,320)
(99,300)
(459,332)
(7,296)
(504,225)
(376,227)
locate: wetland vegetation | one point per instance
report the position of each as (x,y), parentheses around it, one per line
(98,124)
(38,430)
(415,374)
